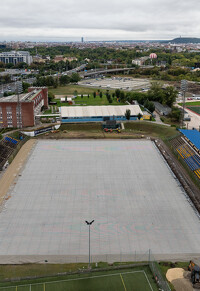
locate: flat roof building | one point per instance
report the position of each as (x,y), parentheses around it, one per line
(22,114)
(162,109)
(15,57)
(98,113)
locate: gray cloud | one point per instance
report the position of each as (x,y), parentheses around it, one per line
(114,19)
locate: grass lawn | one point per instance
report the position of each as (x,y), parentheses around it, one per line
(139,279)
(69,90)
(90,101)
(152,129)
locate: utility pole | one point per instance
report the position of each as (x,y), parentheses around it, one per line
(19,90)
(184,87)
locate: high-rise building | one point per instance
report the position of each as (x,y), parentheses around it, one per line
(82,39)
(15,57)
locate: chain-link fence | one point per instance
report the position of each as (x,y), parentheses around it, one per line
(44,269)
(162,283)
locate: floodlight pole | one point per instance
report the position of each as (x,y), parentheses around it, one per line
(89,224)
(184,85)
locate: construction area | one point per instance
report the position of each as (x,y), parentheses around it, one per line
(127,188)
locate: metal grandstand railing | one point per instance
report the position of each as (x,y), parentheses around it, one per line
(188,154)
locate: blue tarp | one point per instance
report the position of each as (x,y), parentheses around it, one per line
(192,135)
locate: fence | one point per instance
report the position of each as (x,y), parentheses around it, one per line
(162,283)
(44,270)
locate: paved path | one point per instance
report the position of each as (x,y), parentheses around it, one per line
(195,119)
(14,168)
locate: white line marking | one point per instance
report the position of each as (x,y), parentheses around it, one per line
(75,279)
(148,280)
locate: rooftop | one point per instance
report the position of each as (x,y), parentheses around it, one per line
(192,135)
(22,97)
(90,111)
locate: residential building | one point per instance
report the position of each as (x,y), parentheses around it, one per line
(23,113)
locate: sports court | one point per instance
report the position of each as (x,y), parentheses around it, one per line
(112,280)
(124,185)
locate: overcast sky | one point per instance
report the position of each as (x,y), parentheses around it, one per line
(63,20)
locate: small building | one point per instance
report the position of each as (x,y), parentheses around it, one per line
(162,109)
(59,58)
(146,115)
(111,124)
(98,113)
(22,112)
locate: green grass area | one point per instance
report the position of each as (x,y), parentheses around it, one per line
(165,266)
(139,278)
(69,90)
(152,129)
(194,108)
(195,103)
(89,101)
(81,126)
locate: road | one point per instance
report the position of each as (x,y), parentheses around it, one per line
(195,119)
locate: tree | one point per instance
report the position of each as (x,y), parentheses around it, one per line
(175,114)
(25,86)
(117,93)
(139,116)
(94,94)
(81,95)
(88,95)
(156,92)
(75,78)
(50,96)
(110,100)
(170,95)
(151,107)
(64,80)
(55,83)
(128,114)
(122,96)
(101,94)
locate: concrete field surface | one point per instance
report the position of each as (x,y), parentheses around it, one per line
(125,186)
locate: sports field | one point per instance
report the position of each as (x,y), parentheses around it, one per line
(194,108)
(123,280)
(124,185)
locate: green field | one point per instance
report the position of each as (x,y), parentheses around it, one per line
(152,129)
(194,108)
(195,103)
(69,90)
(120,280)
(89,101)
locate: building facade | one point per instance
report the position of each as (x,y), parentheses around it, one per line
(16,57)
(18,113)
(98,113)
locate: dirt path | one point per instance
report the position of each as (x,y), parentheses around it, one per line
(180,279)
(13,169)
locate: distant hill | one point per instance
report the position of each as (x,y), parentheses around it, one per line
(186,40)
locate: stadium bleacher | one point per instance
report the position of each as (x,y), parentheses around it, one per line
(187,151)
(193,136)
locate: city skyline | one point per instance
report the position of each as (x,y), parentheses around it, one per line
(116,20)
